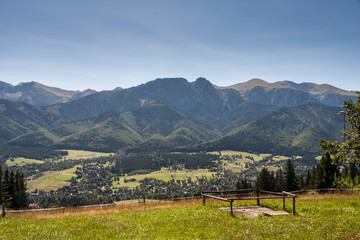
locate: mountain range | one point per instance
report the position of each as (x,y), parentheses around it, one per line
(38,94)
(174,114)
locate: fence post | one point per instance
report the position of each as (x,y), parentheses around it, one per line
(2,210)
(231,207)
(284,201)
(258,195)
(203,199)
(294,212)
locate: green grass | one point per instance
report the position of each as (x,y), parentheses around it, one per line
(280,158)
(82,154)
(72,154)
(316,219)
(20,161)
(52,180)
(234,167)
(164,175)
(63,177)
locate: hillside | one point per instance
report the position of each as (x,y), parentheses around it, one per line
(38,94)
(161,126)
(21,118)
(287,131)
(329,216)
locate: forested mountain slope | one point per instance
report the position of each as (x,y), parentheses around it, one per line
(172,113)
(294,130)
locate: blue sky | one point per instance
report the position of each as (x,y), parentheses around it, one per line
(106,44)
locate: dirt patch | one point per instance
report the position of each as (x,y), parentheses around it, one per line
(254,211)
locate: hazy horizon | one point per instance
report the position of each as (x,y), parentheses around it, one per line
(82,44)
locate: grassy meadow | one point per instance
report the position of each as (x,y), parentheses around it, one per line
(72,154)
(51,180)
(82,154)
(328,216)
(165,175)
(20,161)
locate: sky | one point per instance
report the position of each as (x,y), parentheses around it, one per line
(101,45)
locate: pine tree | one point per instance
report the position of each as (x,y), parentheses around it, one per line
(6,182)
(302,182)
(291,181)
(11,188)
(243,184)
(308,180)
(15,197)
(238,185)
(24,196)
(326,172)
(279,181)
(265,180)
(20,197)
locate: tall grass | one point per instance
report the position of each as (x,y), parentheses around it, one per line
(123,206)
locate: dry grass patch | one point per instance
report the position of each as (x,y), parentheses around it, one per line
(123,206)
(313,196)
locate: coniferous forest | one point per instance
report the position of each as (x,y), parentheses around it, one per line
(13,189)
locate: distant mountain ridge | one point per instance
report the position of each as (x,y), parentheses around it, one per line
(224,108)
(287,93)
(38,94)
(281,93)
(199,99)
(174,114)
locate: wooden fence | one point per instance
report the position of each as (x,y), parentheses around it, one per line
(247,194)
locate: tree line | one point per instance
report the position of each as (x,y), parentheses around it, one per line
(7,152)
(338,167)
(327,174)
(281,180)
(13,189)
(154,162)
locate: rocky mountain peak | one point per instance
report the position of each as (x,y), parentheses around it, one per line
(38,94)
